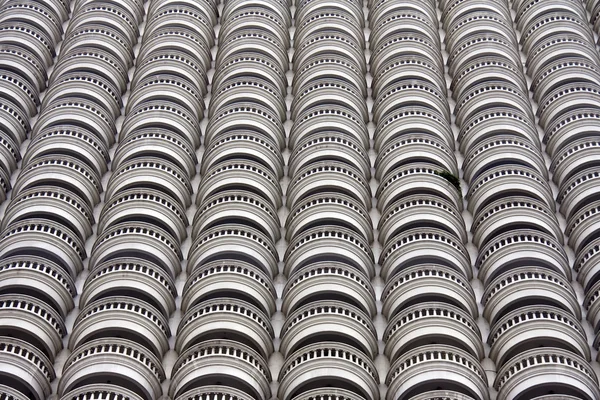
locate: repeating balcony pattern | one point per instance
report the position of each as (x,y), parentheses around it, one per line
(309,200)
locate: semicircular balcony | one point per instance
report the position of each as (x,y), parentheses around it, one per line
(221,362)
(328,321)
(328,280)
(237,38)
(247,116)
(512,213)
(34,321)
(486,125)
(52,203)
(229,278)
(140,239)
(132,277)
(48,282)
(103,391)
(432,323)
(328,363)
(329,243)
(526,286)
(350,8)
(238,207)
(157,142)
(521,248)
(502,150)
(144,204)
(330,117)
(209,391)
(434,366)
(151,173)
(29,66)
(566,98)
(578,191)
(428,283)
(71,140)
(329,145)
(536,326)
(508,180)
(580,154)
(420,211)
(8,393)
(240,174)
(66,172)
(424,246)
(244,89)
(441,395)
(329,209)
(330,176)
(404,121)
(226,318)
(407,149)
(416,178)
(124,317)
(243,144)
(574,125)
(539,371)
(47,239)
(25,368)
(120,361)
(235,241)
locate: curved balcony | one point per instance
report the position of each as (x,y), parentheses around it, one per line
(237,37)
(50,283)
(525,286)
(566,98)
(234,241)
(69,140)
(52,203)
(423,212)
(240,207)
(329,243)
(157,142)
(574,125)
(28,64)
(101,391)
(336,364)
(485,58)
(224,361)
(441,366)
(416,178)
(332,146)
(123,362)
(428,283)
(423,246)
(148,205)
(125,317)
(510,180)
(66,172)
(404,121)
(248,89)
(329,209)
(442,395)
(584,226)
(330,176)
(20,91)
(45,238)
(246,116)
(328,280)
(415,148)
(432,323)
(562,71)
(226,318)
(578,191)
(536,326)
(521,248)
(209,392)
(536,372)
(513,213)
(25,368)
(141,240)
(8,393)
(34,321)
(229,278)
(240,174)
(151,173)
(131,277)
(9,155)
(502,149)
(330,321)
(495,121)
(96,35)
(243,144)
(578,155)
